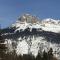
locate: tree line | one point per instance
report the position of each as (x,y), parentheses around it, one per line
(13,56)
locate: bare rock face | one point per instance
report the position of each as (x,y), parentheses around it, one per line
(28,18)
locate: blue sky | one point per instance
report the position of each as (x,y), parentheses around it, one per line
(11,9)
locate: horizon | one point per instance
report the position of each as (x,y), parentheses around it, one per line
(10,10)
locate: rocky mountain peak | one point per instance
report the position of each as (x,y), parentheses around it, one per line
(28,18)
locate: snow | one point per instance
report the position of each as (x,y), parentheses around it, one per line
(37,26)
(51,27)
(46,25)
(22,48)
(22,26)
(35,44)
(49,20)
(32,45)
(8,43)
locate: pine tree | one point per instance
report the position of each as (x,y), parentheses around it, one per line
(45,56)
(39,57)
(50,54)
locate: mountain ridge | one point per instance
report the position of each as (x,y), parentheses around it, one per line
(30,38)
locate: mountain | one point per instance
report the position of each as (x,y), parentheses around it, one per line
(30,35)
(51,25)
(29,21)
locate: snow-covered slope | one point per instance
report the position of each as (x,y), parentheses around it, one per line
(45,24)
(51,25)
(26,21)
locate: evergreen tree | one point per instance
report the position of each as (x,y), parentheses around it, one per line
(45,56)
(50,54)
(39,57)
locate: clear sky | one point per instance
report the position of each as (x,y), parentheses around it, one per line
(11,9)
